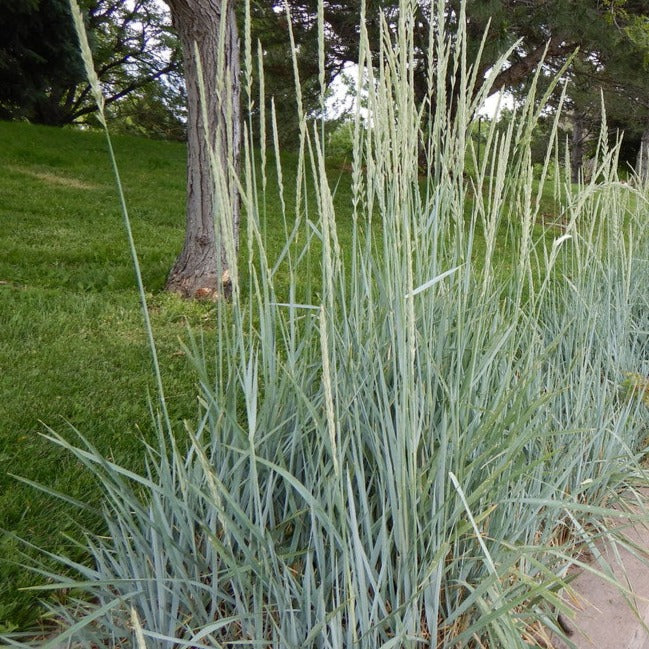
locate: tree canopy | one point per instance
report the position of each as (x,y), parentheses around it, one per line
(610,39)
(612,35)
(134,43)
(41,76)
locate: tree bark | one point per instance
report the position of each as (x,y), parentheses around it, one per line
(203,269)
(577,149)
(524,67)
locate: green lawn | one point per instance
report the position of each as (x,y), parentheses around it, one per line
(73,351)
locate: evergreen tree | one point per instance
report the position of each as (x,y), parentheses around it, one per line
(41,76)
(39,59)
(611,37)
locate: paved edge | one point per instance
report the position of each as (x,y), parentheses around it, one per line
(604,616)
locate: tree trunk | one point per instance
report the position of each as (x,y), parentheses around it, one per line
(642,163)
(205,266)
(577,149)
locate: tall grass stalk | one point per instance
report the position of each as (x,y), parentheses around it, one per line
(95,86)
(406,455)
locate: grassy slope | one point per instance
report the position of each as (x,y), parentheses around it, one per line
(72,349)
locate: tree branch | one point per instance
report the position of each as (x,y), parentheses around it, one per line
(518,71)
(139,83)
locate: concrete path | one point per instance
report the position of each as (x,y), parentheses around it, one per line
(605,617)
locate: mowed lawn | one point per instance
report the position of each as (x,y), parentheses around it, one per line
(72,347)
(73,351)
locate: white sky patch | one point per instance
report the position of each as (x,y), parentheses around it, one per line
(342,100)
(491,107)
